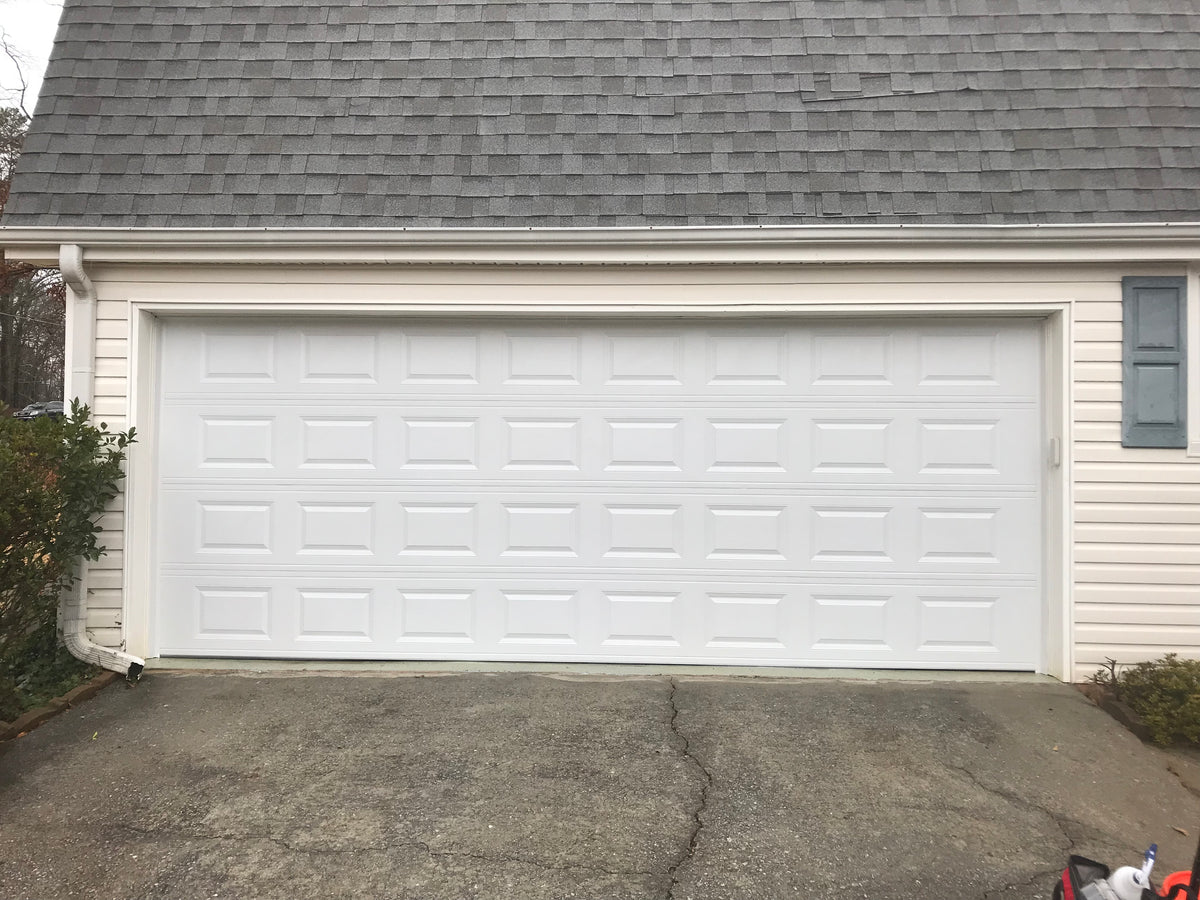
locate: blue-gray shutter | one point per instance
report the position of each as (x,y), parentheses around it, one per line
(1154,392)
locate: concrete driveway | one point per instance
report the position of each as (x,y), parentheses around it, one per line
(539,786)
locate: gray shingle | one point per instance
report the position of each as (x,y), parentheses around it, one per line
(494,112)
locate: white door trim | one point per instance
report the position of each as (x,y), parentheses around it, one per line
(1057,654)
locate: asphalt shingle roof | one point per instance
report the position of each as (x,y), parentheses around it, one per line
(720,112)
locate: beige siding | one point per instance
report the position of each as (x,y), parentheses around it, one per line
(1137,512)
(105,594)
(1137,515)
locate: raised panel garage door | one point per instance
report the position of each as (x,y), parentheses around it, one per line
(832,493)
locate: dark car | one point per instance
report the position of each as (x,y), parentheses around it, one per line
(32,411)
(51,408)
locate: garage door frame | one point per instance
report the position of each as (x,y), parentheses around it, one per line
(147,319)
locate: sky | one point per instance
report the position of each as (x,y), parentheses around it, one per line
(27,32)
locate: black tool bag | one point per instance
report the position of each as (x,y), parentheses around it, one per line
(1080,871)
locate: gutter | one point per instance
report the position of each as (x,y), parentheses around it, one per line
(651,245)
(72,610)
(644,235)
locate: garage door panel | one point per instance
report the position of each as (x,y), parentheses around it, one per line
(843,444)
(828,493)
(775,358)
(436,617)
(644,530)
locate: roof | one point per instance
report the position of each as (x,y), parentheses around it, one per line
(448,113)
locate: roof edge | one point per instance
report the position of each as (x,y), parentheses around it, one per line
(650,245)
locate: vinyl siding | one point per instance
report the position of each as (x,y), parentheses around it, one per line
(105,619)
(1137,516)
(1137,512)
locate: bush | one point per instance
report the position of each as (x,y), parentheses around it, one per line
(45,670)
(1165,693)
(56,477)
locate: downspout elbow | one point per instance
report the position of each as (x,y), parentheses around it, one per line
(73,622)
(82,344)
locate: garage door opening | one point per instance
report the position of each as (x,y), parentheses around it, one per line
(765,492)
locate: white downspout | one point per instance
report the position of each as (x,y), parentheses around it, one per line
(81,371)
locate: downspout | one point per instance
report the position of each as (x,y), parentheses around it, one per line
(72,611)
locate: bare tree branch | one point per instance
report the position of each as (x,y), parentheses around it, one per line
(19,61)
(32,301)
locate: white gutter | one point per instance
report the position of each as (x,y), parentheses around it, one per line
(72,611)
(650,234)
(628,246)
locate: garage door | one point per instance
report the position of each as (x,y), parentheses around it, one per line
(837,493)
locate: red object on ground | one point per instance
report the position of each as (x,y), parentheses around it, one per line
(1173,879)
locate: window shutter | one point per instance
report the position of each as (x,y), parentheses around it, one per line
(1153,396)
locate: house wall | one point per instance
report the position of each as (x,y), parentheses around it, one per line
(1136,513)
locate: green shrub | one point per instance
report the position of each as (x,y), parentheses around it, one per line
(56,477)
(45,670)
(1165,693)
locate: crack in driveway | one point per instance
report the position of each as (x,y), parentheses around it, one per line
(702,803)
(685,853)
(1016,799)
(1183,777)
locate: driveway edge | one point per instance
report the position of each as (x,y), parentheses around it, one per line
(39,715)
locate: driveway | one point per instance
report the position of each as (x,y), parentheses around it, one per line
(540,786)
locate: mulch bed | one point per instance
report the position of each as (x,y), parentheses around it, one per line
(31,719)
(1104,697)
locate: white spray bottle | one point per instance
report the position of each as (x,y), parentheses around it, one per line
(1128,883)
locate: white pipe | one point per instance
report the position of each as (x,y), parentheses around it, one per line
(72,610)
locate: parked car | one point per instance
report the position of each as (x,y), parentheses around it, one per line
(32,411)
(51,408)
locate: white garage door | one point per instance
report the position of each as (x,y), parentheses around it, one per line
(836,493)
